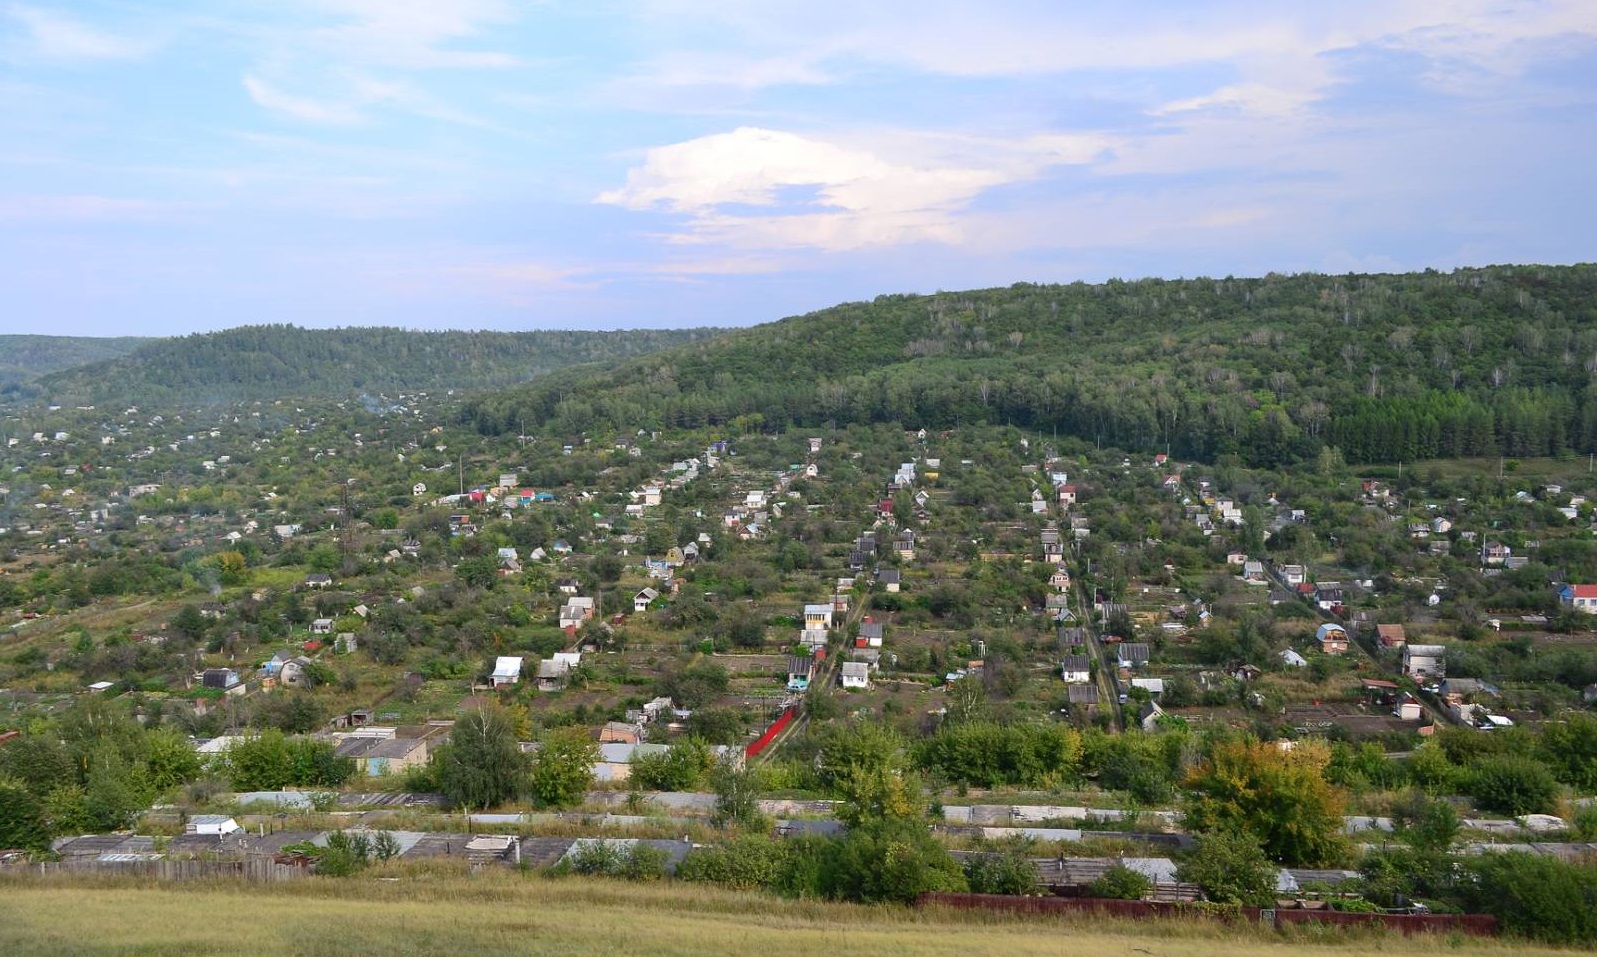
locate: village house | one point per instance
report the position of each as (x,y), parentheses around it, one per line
(1076,669)
(1332,638)
(799,673)
(1425,661)
(1579,597)
(642,600)
(1391,636)
(817,617)
(377,756)
(1132,654)
(553,671)
(507,671)
(856,675)
(225,679)
(870,634)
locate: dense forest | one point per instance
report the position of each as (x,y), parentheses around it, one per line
(24,358)
(1386,368)
(261,362)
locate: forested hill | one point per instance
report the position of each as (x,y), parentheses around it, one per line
(260,362)
(23,358)
(1383,367)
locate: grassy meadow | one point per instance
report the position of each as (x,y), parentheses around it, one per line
(509,914)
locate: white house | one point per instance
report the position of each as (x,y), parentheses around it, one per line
(817,617)
(1076,669)
(856,675)
(507,671)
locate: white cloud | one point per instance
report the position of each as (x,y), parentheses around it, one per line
(57,37)
(300,108)
(900,188)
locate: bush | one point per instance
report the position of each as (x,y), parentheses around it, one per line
(1231,868)
(601,858)
(1008,871)
(1120,882)
(746,864)
(1510,784)
(1537,896)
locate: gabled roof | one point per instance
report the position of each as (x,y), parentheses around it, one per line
(1583,591)
(508,666)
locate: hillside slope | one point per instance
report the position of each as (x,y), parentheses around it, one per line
(1497,360)
(24,358)
(261,362)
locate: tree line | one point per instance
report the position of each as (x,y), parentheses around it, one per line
(1481,361)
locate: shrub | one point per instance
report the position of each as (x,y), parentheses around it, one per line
(1511,784)
(1120,882)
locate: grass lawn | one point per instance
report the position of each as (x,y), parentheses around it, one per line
(508,914)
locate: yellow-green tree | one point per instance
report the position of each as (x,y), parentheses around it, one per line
(1278,796)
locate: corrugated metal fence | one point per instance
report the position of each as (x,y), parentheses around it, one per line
(1474,925)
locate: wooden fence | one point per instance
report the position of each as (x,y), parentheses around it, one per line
(1474,925)
(252,869)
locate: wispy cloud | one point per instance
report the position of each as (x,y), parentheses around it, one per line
(307,109)
(413,33)
(54,36)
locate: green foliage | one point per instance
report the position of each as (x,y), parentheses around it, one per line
(1231,867)
(483,766)
(1120,882)
(271,760)
(1467,364)
(1536,896)
(1569,749)
(633,860)
(479,572)
(679,769)
(748,863)
(718,725)
(263,362)
(1140,765)
(737,794)
(986,754)
(1513,784)
(695,685)
(346,854)
(26,357)
(22,821)
(1428,825)
(1280,798)
(888,860)
(847,750)
(1006,870)
(562,770)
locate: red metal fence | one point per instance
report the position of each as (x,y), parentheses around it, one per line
(764,740)
(1474,925)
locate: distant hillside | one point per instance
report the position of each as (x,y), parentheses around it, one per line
(24,358)
(261,362)
(1385,367)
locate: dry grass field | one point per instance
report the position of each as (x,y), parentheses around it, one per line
(509,914)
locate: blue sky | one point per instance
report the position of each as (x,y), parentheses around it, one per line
(170,167)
